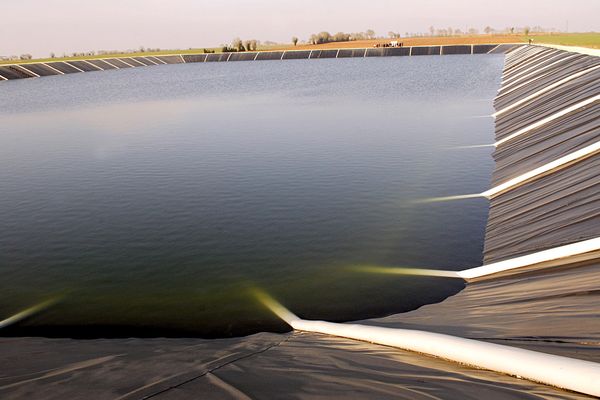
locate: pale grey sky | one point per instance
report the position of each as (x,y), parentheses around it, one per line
(41,26)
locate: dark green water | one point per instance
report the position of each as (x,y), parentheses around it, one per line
(153,200)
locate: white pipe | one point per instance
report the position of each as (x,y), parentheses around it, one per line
(493,48)
(555,253)
(563,372)
(27,70)
(68,63)
(93,65)
(539,172)
(549,119)
(54,69)
(526,61)
(506,86)
(149,60)
(126,63)
(518,76)
(546,89)
(543,170)
(109,63)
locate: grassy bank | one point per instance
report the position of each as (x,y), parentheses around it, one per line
(591,40)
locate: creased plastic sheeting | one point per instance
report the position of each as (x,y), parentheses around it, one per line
(552,312)
(269,55)
(142,61)
(388,52)
(549,103)
(101,64)
(118,63)
(346,53)
(217,57)
(323,54)
(63,67)
(132,61)
(547,143)
(40,69)
(545,78)
(504,48)
(154,60)
(564,206)
(194,58)
(11,73)
(296,55)
(457,49)
(560,208)
(170,59)
(242,56)
(84,66)
(482,48)
(425,50)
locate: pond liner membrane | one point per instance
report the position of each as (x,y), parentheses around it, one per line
(63,67)
(426,50)
(154,59)
(217,57)
(194,58)
(242,56)
(143,61)
(296,55)
(118,63)
(85,67)
(134,62)
(505,48)
(323,54)
(269,55)
(482,48)
(40,69)
(10,73)
(456,49)
(560,97)
(350,53)
(101,64)
(563,206)
(557,209)
(170,59)
(546,144)
(546,78)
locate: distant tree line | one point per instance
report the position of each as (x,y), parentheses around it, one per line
(238,44)
(326,37)
(15,58)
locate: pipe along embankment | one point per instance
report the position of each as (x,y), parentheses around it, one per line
(40,69)
(544,211)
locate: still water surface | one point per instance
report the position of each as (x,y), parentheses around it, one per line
(154,199)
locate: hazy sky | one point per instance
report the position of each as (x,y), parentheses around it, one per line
(41,26)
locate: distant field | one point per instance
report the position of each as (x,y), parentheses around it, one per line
(591,40)
(568,39)
(416,41)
